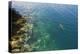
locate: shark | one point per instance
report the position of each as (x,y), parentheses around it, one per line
(61,26)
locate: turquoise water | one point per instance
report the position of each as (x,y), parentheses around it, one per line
(60,23)
(54,25)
